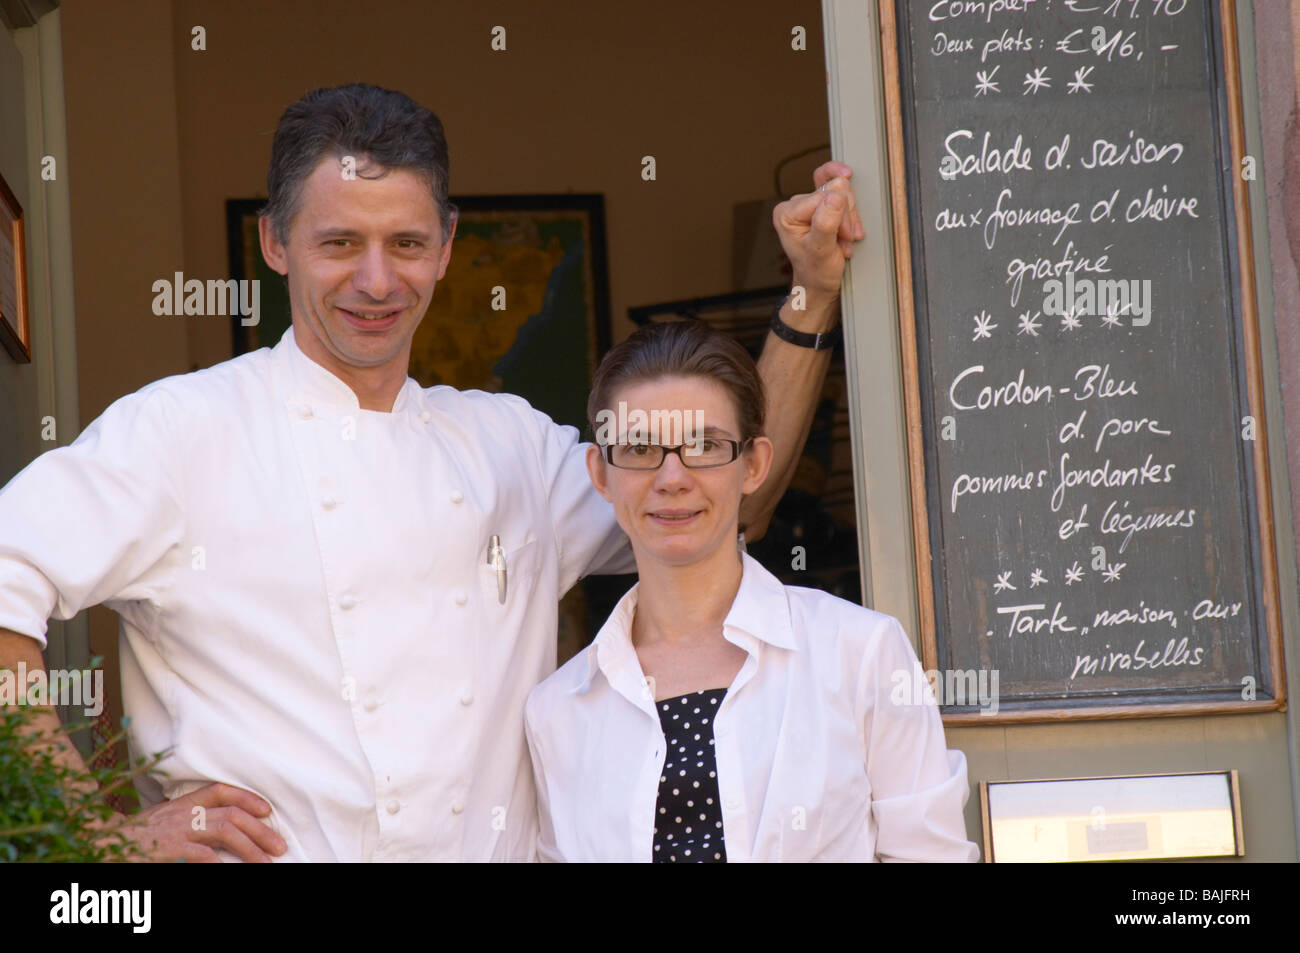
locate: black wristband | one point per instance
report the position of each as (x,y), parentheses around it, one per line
(818,342)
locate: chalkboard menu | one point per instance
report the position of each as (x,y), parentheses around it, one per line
(1089,470)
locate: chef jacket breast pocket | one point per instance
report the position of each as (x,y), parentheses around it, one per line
(507,594)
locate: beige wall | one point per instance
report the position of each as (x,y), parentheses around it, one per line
(1277,49)
(1276,33)
(126,196)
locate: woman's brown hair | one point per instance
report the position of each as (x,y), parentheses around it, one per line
(682,349)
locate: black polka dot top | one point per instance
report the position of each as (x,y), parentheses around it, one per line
(688,815)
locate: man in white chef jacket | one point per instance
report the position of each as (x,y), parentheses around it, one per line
(298,540)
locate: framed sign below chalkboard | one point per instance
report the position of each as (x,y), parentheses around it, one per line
(1086,440)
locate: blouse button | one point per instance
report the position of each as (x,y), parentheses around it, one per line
(371,704)
(467,699)
(347,602)
(394,806)
(457,807)
(425,416)
(457,497)
(461,598)
(304,411)
(329,502)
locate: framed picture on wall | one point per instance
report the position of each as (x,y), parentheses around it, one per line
(15,325)
(523,307)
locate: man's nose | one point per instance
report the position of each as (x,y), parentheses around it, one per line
(374,274)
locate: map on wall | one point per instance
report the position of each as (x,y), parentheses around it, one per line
(523,307)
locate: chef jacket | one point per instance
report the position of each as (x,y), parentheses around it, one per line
(308,610)
(820,756)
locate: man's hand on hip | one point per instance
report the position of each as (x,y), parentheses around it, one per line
(229,819)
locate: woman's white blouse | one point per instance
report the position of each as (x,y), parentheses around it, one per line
(820,755)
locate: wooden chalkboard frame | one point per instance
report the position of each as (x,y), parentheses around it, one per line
(1241,266)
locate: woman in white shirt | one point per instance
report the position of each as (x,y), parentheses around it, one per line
(720,715)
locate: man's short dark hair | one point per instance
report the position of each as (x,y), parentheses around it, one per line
(383,129)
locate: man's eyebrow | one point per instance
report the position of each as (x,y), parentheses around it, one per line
(324,234)
(329,234)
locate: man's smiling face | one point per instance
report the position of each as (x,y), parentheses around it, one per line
(362,259)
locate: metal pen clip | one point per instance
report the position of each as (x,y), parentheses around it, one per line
(497,559)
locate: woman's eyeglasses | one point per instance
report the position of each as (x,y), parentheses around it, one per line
(700,455)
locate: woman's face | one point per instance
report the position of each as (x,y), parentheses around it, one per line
(679,515)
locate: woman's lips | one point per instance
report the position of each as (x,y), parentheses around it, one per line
(674,517)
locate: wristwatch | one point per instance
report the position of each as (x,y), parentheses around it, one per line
(818,342)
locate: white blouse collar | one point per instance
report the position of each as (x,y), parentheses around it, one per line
(760,611)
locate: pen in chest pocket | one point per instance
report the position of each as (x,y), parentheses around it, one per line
(496,558)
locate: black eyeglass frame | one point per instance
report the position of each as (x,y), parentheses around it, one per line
(737,447)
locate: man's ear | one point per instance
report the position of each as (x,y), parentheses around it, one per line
(596,471)
(444,257)
(758,461)
(272,250)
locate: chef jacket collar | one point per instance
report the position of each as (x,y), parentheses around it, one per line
(760,611)
(309,383)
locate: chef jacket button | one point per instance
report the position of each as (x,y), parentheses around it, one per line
(347,602)
(461,597)
(304,411)
(457,806)
(394,806)
(371,704)
(467,699)
(425,416)
(457,497)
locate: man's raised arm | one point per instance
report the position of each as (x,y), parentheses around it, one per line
(817,231)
